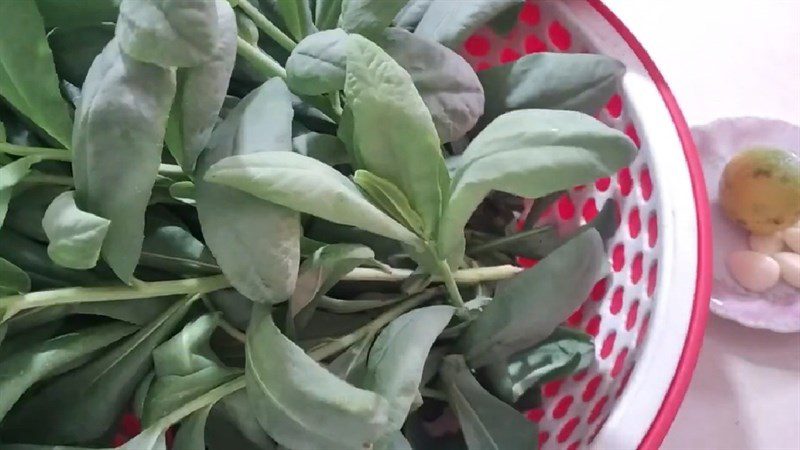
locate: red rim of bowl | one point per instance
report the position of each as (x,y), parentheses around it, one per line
(694,337)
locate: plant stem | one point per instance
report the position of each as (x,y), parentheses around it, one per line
(265,25)
(336,103)
(44,178)
(16,303)
(260,61)
(463,276)
(450,284)
(53,154)
(342,343)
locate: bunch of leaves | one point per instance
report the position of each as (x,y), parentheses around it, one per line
(287,223)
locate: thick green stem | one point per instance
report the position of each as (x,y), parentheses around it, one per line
(450,284)
(463,276)
(265,25)
(16,303)
(261,62)
(342,343)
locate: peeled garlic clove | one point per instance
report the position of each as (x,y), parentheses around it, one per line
(753,271)
(790,267)
(792,238)
(766,243)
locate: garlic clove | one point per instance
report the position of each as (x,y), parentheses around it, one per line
(790,267)
(753,271)
(766,243)
(792,238)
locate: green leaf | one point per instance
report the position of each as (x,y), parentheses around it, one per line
(11,174)
(191,433)
(411,14)
(531,153)
(575,82)
(82,405)
(46,359)
(318,274)
(394,441)
(563,353)
(327,12)
(183,191)
(445,81)
(185,367)
(309,186)
(246,28)
(390,199)
(140,395)
(528,307)
(119,130)
(397,358)
(317,64)
(75,236)
(201,91)
(77,13)
(74,48)
(31,256)
(296,15)
(169,33)
(301,404)
(452,24)
(13,279)
(28,79)
(232,425)
(369,17)
(487,422)
(27,208)
(380,92)
(241,230)
(235,307)
(351,365)
(320,146)
(168,245)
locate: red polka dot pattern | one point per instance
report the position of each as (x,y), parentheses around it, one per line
(618,308)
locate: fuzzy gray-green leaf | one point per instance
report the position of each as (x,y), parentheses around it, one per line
(300,403)
(28,79)
(317,64)
(75,236)
(369,17)
(451,23)
(169,33)
(243,231)
(12,278)
(575,82)
(397,358)
(486,421)
(42,360)
(528,307)
(531,153)
(117,141)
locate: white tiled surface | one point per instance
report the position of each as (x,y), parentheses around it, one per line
(731,58)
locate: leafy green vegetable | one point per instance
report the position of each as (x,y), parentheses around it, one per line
(528,307)
(82,405)
(327,12)
(317,64)
(444,80)
(296,15)
(169,33)
(74,48)
(11,174)
(232,424)
(201,92)
(75,236)
(28,79)
(27,208)
(306,185)
(168,245)
(397,357)
(52,357)
(77,13)
(240,230)
(368,17)
(298,402)
(576,82)
(407,154)
(119,128)
(563,353)
(531,153)
(487,423)
(324,147)
(411,14)
(451,26)
(12,278)
(390,199)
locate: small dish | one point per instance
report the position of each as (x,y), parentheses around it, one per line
(777,309)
